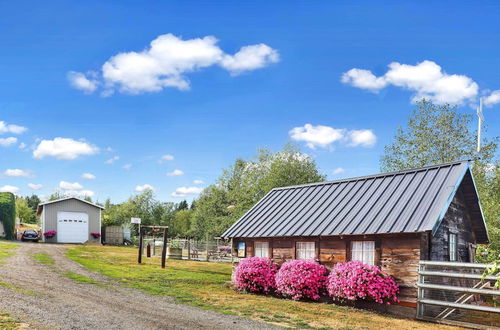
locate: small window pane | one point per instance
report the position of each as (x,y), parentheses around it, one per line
(453,247)
(306,250)
(262,249)
(363,251)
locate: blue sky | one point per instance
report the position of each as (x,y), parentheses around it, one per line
(88,86)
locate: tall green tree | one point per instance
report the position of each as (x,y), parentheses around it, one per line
(33,202)
(24,212)
(245,183)
(436,134)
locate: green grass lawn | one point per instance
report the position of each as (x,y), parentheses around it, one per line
(44,258)
(6,250)
(205,285)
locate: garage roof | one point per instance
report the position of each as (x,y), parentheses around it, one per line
(40,205)
(414,200)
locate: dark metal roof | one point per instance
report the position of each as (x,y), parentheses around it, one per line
(406,201)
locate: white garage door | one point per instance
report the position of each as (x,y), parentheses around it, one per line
(72,227)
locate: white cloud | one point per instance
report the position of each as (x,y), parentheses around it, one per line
(35,186)
(112,160)
(363,137)
(250,58)
(166,62)
(127,166)
(79,81)
(7,142)
(11,189)
(64,185)
(426,79)
(22,145)
(325,136)
(363,79)
(63,148)
(88,176)
(198,182)
(316,136)
(144,187)
(16,172)
(175,173)
(492,99)
(167,157)
(186,191)
(10,128)
(338,170)
(79,193)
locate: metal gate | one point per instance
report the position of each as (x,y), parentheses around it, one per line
(458,293)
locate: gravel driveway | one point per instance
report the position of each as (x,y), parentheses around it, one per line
(60,303)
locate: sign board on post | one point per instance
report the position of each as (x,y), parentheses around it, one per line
(135,220)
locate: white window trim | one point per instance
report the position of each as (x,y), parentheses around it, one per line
(453,251)
(365,252)
(304,251)
(264,251)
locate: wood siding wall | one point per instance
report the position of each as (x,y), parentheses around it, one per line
(457,220)
(397,254)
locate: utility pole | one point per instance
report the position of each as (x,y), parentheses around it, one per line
(479,124)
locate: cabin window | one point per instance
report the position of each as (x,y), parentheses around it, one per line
(241,250)
(305,250)
(261,249)
(453,246)
(363,251)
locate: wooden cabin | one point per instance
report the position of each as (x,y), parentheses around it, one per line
(391,220)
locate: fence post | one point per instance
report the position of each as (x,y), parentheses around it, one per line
(141,238)
(189,249)
(206,248)
(421,292)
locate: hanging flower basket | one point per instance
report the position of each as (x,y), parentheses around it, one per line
(50,233)
(96,234)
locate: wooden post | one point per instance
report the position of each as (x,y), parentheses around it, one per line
(164,250)
(206,248)
(154,246)
(148,250)
(139,259)
(189,249)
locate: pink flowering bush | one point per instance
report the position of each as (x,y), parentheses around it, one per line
(50,233)
(95,234)
(301,279)
(354,280)
(255,275)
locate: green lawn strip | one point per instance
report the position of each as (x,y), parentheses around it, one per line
(205,285)
(18,289)
(6,250)
(82,279)
(43,258)
(8,323)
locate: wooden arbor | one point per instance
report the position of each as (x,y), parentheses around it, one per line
(153,230)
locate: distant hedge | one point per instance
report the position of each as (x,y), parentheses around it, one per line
(8,213)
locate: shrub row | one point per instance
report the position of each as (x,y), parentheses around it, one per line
(308,280)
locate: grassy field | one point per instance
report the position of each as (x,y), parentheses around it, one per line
(6,250)
(205,285)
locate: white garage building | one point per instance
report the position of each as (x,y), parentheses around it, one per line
(73,219)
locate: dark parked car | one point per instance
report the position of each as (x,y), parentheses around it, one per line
(30,235)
